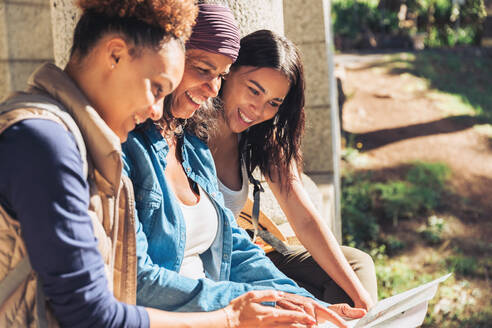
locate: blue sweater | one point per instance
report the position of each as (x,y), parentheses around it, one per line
(43,187)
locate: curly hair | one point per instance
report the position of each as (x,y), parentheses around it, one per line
(143,22)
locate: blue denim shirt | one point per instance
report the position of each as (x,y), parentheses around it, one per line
(233,264)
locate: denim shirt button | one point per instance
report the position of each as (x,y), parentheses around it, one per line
(226,256)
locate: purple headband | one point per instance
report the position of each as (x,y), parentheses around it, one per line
(215,31)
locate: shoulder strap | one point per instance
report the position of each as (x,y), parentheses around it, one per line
(14,278)
(42,102)
(255,213)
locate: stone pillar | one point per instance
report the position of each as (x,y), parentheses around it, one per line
(254,15)
(487,26)
(308,25)
(64,15)
(25,41)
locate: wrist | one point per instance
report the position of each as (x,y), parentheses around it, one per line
(229,317)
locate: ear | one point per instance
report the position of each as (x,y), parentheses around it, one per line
(116,50)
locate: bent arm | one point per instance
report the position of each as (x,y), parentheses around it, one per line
(42,185)
(316,236)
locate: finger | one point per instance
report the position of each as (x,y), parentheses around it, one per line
(309,309)
(328,315)
(260,296)
(287,316)
(284,304)
(348,311)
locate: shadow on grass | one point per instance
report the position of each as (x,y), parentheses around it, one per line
(375,139)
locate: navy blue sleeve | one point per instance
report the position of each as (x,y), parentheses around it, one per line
(42,185)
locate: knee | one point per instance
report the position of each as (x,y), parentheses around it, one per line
(358,260)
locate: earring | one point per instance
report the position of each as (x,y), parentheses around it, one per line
(136,120)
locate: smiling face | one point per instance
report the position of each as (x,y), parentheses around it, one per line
(201,80)
(252,95)
(137,83)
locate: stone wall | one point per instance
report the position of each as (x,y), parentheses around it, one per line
(304,25)
(25,41)
(253,15)
(487,29)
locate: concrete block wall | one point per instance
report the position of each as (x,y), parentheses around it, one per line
(487,28)
(304,25)
(253,15)
(25,41)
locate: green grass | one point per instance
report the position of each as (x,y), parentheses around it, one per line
(459,80)
(415,193)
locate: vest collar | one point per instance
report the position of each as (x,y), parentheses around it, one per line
(103,145)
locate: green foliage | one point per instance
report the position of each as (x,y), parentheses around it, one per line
(462,265)
(445,22)
(353,17)
(393,245)
(367,203)
(361,226)
(432,232)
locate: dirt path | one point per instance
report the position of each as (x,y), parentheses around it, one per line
(397,121)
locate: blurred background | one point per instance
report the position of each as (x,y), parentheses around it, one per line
(415,104)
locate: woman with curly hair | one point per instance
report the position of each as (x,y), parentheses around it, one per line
(66,212)
(192,255)
(258,122)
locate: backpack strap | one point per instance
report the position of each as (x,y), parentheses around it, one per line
(14,278)
(270,237)
(25,100)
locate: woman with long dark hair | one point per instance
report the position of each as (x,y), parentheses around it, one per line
(258,122)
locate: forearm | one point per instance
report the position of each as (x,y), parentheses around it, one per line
(161,319)
(326,251)
(316,236)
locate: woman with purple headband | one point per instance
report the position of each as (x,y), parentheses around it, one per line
(192,256)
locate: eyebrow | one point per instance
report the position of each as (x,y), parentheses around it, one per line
(209,64)
(258,85)
(166,79)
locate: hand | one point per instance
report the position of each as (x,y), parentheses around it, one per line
(333,313)
(247,311)
(364,301)
(345,310)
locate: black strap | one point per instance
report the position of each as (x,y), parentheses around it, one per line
(266,235)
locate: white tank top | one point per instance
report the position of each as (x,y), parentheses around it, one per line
(201,229)
(235,199)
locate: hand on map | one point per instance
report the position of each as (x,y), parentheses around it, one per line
(333,313)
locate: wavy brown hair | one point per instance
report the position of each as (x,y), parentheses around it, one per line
(148,23)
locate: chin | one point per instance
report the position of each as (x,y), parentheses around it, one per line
(184,114)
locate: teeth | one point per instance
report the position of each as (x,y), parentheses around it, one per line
(244,117)
(195,100)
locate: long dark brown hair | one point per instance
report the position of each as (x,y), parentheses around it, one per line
(273,144)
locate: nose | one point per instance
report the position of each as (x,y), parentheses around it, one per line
(155,111)
(256,107)
(213,87)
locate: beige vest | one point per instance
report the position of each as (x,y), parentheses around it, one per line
(111,202)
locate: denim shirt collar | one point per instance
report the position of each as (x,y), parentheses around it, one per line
(199,167)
